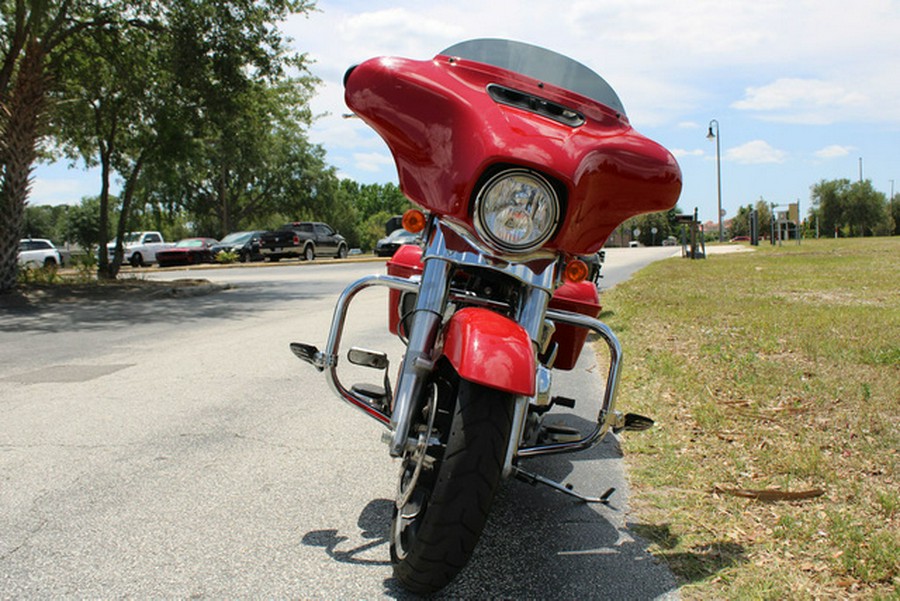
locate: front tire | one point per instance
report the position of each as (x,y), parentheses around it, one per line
(137,260)
(309,253)
(435,532)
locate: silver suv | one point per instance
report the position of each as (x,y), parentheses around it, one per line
(38,252)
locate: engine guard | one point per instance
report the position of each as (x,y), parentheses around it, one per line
(461,335)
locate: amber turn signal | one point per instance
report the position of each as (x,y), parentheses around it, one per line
(414,221)
(576,271)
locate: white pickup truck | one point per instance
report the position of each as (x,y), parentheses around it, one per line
(139,248)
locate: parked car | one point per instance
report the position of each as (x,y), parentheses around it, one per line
(244,244)
(139,248)
(387,246)
(190,251)
(38,252)
(304,239)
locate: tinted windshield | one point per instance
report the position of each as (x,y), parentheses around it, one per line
(401,234)
(541,64)
(236,238)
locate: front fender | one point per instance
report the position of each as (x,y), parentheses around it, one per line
(490,349)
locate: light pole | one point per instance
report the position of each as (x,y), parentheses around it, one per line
(710,136)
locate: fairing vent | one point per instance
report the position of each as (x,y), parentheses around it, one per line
(535,104)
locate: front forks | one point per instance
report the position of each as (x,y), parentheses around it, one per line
(418,362)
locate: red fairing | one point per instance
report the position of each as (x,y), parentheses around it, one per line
(490,349)
(445,130)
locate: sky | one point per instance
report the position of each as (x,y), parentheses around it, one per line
(801,90)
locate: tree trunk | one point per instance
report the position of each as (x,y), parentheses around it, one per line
(20,115)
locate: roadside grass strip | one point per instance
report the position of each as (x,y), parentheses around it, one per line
(774,380)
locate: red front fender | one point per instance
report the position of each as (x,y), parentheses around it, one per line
(490,349)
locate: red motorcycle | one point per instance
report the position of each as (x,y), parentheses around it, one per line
(523,163)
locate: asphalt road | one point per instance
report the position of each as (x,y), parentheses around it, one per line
(175,448)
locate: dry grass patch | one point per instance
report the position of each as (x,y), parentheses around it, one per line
(774,378)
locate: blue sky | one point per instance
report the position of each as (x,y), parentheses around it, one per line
(802,90)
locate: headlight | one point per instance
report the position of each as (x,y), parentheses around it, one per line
(516,210)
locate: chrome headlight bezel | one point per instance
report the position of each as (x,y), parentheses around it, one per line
(498,195)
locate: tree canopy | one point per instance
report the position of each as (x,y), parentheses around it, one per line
(196,105)
(850,209)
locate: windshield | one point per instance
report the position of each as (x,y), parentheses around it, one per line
(401,234)
(130,238)
(541,64)
(190,243)
(235,238)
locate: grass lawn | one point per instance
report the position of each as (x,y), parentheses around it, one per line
(774,377)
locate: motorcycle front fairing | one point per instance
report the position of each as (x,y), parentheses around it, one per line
(448,121)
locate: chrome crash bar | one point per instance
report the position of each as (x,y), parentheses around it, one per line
(607,417)
(327,361)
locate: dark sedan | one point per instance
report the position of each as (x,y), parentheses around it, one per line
(189,251)
(245,245)
(386,247)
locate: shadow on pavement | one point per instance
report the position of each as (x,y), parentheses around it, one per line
(162,303)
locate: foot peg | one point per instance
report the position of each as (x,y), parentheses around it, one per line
(632,422)
(310,354)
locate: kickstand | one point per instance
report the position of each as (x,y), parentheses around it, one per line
(533,479)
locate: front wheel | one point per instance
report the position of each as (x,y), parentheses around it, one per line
(309,253)
(441,511)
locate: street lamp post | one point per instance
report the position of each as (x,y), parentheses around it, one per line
(710,136)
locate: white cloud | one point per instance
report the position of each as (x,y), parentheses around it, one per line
(681,152)
(58,185)
(755,152)
(834,151)
(802,100)
(372,161)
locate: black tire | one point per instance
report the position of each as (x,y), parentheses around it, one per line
(435,534)
(50,263)
(342,252)
(309,253)
(137,260)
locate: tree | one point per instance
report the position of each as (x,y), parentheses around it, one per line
(190,104)
(109,105)
(32,38)
(849,208)
(246,116)
(191,62)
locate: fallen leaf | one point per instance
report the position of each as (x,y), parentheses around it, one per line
(770,495)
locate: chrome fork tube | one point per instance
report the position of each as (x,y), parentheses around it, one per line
(418,362)
(531,317)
